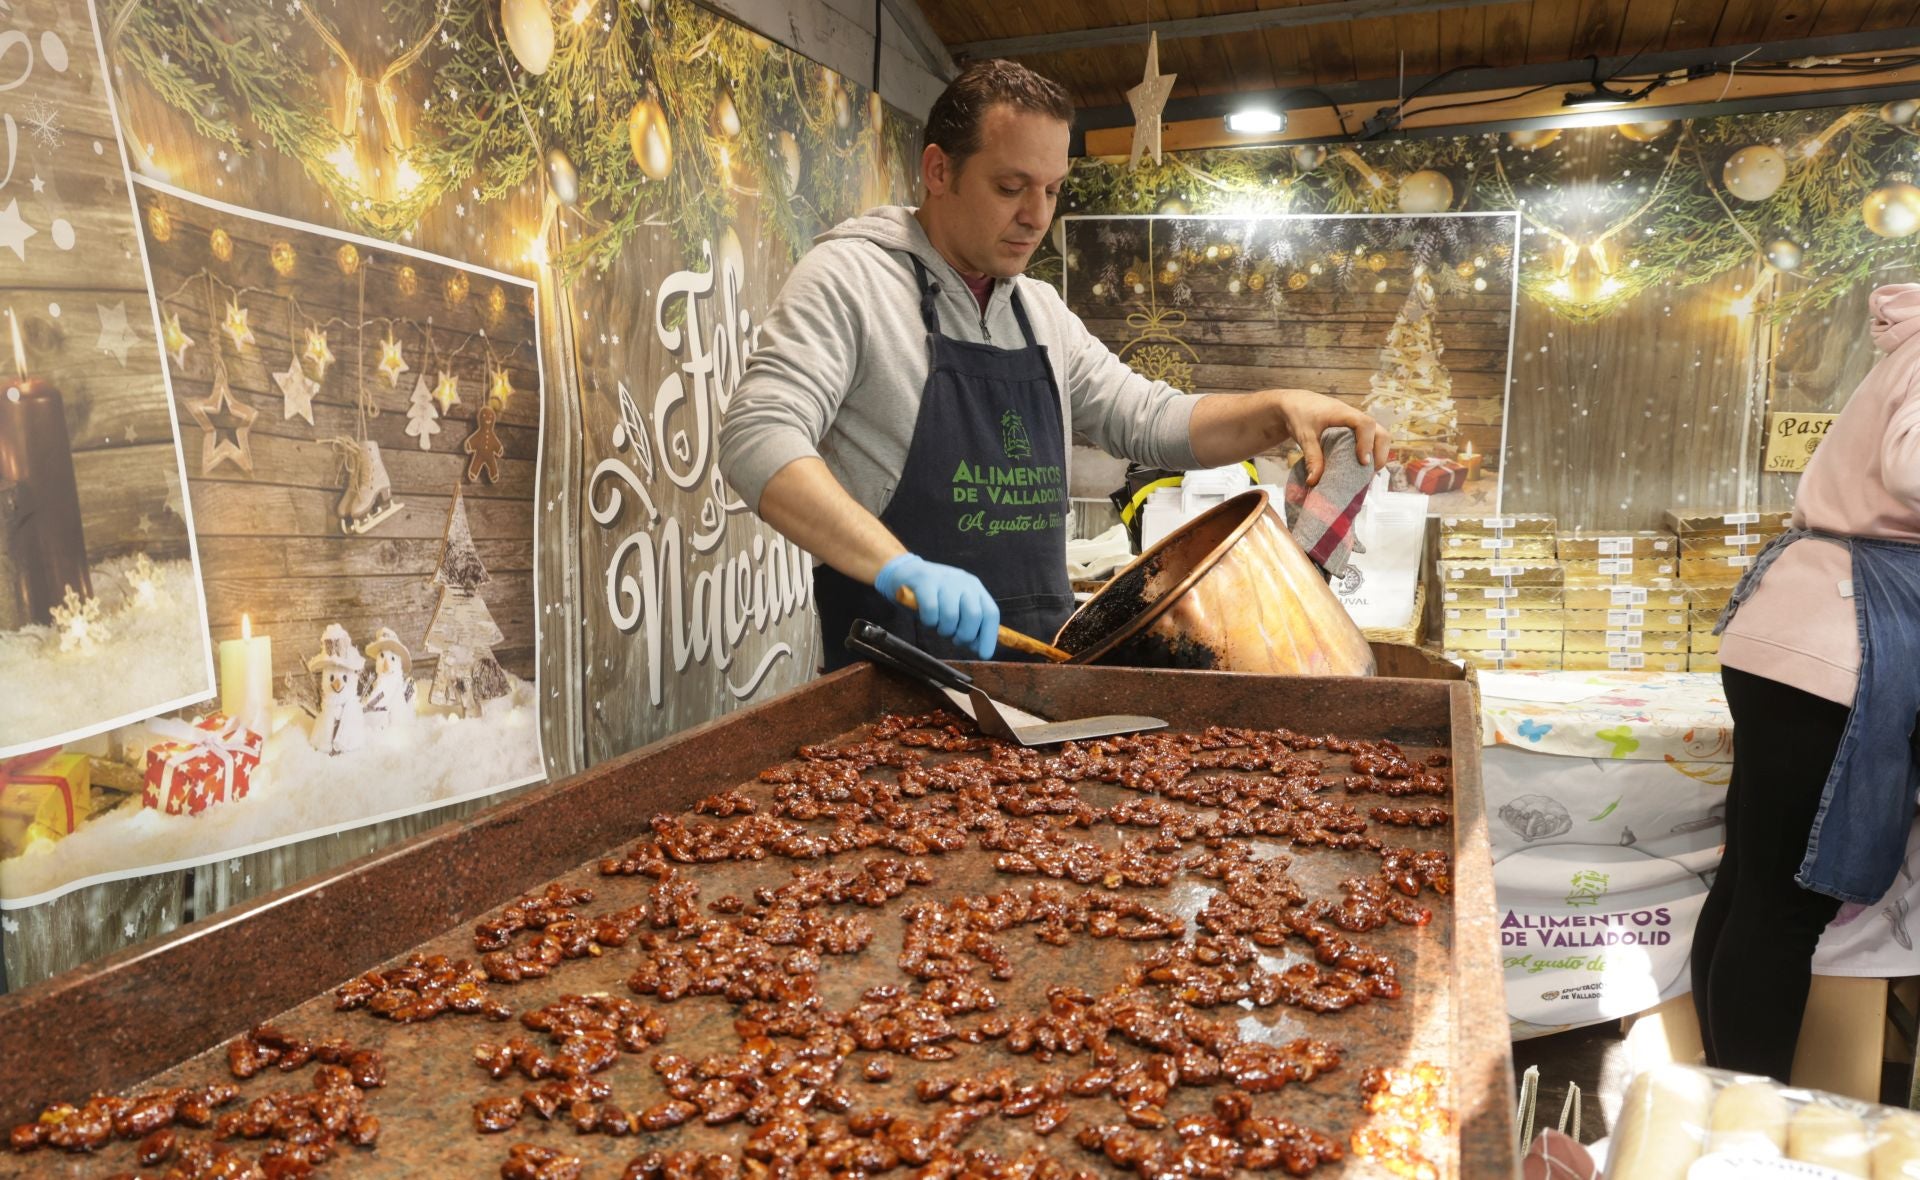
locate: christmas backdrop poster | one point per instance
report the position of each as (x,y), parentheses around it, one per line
(101,619)
(1408,317)
(362,427)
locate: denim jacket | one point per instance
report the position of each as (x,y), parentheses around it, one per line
(1859,835)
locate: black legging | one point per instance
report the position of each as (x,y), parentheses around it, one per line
(1753,947)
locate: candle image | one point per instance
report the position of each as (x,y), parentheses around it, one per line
(246,678)
(49,549)
(1471,461)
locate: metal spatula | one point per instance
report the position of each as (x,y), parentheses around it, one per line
(995,718)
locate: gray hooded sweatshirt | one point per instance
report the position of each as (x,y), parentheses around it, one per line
(842,359)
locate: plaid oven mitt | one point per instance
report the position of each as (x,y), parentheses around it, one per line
(1322,517)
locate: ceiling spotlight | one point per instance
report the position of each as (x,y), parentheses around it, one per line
(1257,122)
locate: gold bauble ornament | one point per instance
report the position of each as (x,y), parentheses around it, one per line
(1297,281)
(1533,141)
(1226,252)
(348,258)
(730,262)
(407,279)
(1256,281)
(281,255)
(1131,278)
(724,122)
(1645,132)
(1426,191)
(1755,173)
(876,110)
(529,28)
(1376,262)
(1464,270)
(1784,254)
(562,177)
(1309,156)
(842,108)
(456,287)
(1900,112)
(1893,209)
(787,148)
(1172,207)
(496,301)
(221,243)
(159,223)
(649,139)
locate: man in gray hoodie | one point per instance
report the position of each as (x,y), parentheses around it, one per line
(906,415)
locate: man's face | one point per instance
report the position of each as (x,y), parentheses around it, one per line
(989,216)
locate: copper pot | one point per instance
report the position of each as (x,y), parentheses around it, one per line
(1228,590)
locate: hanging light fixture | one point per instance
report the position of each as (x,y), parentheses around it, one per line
(1257,121)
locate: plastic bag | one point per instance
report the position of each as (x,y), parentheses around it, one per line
(1684,1122)
(1377,587)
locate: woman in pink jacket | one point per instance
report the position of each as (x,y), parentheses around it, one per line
(1821,660)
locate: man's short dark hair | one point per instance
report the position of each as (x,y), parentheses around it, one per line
(954,122)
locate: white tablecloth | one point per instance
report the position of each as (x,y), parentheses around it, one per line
(1605,818)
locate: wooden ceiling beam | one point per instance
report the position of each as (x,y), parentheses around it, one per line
(1221,25)
(926,42)
(1368,93)
(1512,109)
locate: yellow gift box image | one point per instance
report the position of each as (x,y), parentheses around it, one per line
(44,795)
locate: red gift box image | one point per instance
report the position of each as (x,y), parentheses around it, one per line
(1434,476)
(196,765)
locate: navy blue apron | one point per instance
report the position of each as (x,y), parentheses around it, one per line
(984,488)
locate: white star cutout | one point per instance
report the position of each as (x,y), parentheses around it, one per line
(115,339)
(38,184)
(236,324)
(13,231)
(176,339)
(390,362)
(446,391)
(317,351)
(297,390)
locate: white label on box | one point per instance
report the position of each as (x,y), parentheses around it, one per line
(1626,618)
(1499,522)
(1505,571)
(1626,661)
(1742,560)
(1742,540)
(1616,546)
(1616,566)
(1629,596)
(1670,645)
(1503,636)
(1623,639)
(1496,542)
(1455,614)
(1741,518)
(1501,592)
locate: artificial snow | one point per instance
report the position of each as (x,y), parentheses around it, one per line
(154,658)
(298,792)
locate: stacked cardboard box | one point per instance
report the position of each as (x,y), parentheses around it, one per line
(1500,591)
(1624,609)
(1716,549)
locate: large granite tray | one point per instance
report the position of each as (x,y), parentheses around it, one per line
(144,1016)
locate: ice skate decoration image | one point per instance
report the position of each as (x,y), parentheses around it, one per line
(367,500)
(388,701)
(341,726)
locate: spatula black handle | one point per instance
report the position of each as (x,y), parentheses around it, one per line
(874,642)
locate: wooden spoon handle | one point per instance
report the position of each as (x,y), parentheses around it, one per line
(1016,640)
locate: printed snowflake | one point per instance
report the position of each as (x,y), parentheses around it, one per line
(78,623)
(43,123)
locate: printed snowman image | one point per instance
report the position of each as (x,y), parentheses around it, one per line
(389,701)
(340,727)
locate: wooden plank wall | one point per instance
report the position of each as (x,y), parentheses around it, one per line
(100,919)
(1322,339)
(117,417)
(270,542)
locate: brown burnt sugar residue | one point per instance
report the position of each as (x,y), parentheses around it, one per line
(912,951)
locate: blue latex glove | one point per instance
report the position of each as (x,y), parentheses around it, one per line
(952,601)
